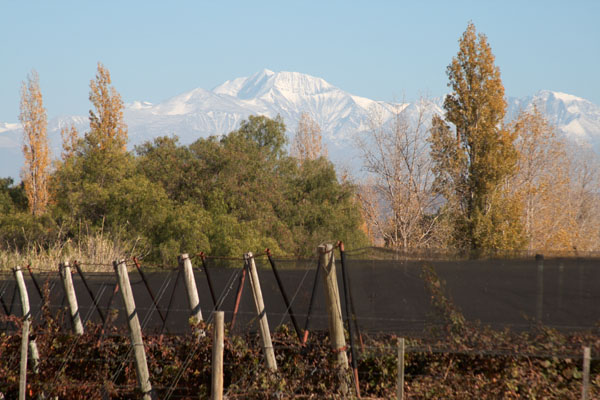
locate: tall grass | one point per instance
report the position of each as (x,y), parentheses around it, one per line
(95,251)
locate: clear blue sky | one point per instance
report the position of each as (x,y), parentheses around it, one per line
(384,50)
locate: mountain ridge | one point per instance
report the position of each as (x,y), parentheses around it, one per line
(341,115)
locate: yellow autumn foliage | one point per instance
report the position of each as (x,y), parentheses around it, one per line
(35,172)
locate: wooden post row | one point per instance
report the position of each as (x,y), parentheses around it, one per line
(135,329)
(265,334)
(217,356)
(67,280)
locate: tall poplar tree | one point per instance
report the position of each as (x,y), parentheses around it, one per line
(474,161)
(35,172)
(94,164)
(107,128)
(104,147)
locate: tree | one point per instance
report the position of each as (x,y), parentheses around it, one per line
(100,186)
(371,212)
(318,207)
(93,165)
(307,143)
(584,197)
(35,172)
(255,195)
(472,169)
(12,197)
(263,133)
(399,202)
(107,129)
(238,179)
(172,165)
(70,140)
(542,183)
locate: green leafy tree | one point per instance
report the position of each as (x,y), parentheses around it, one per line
(265,134)
(473,162)
(253,194)
(12,197)
(19,228)
(240,183)
(236,179)
(86,178)
(174,166)
(99,185)
(320,208)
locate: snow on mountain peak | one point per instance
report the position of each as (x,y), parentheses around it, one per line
(301,84)
(256,85)
(6,126)
(230,88)
(139,105)
(266,81)
(577,118)
(184,103)
(564,97)
(341,115)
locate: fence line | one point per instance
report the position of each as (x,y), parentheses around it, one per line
(45,296)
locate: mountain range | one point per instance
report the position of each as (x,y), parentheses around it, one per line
(341,115)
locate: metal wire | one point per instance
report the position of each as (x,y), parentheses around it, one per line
(294,298)
(124,359)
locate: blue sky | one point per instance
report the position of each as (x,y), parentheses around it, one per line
(383,50)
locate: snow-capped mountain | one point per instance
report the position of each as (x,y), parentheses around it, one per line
(201,112)
(578,119)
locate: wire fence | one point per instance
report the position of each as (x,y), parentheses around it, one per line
(390,296)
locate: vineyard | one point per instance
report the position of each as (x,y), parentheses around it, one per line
(448,351)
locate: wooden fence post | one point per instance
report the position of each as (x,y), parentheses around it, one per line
(585,390)
(67,280)
(334,311)
(263,323)
(217,356)
(190,286)
(400,389)
(23,363)
(25,343)
(135,329)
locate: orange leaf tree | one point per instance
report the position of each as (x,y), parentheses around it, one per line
(35,172)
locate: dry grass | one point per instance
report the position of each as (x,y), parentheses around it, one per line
(95,252)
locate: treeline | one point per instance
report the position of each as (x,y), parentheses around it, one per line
(221,195)
(472,182)
(466,182)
